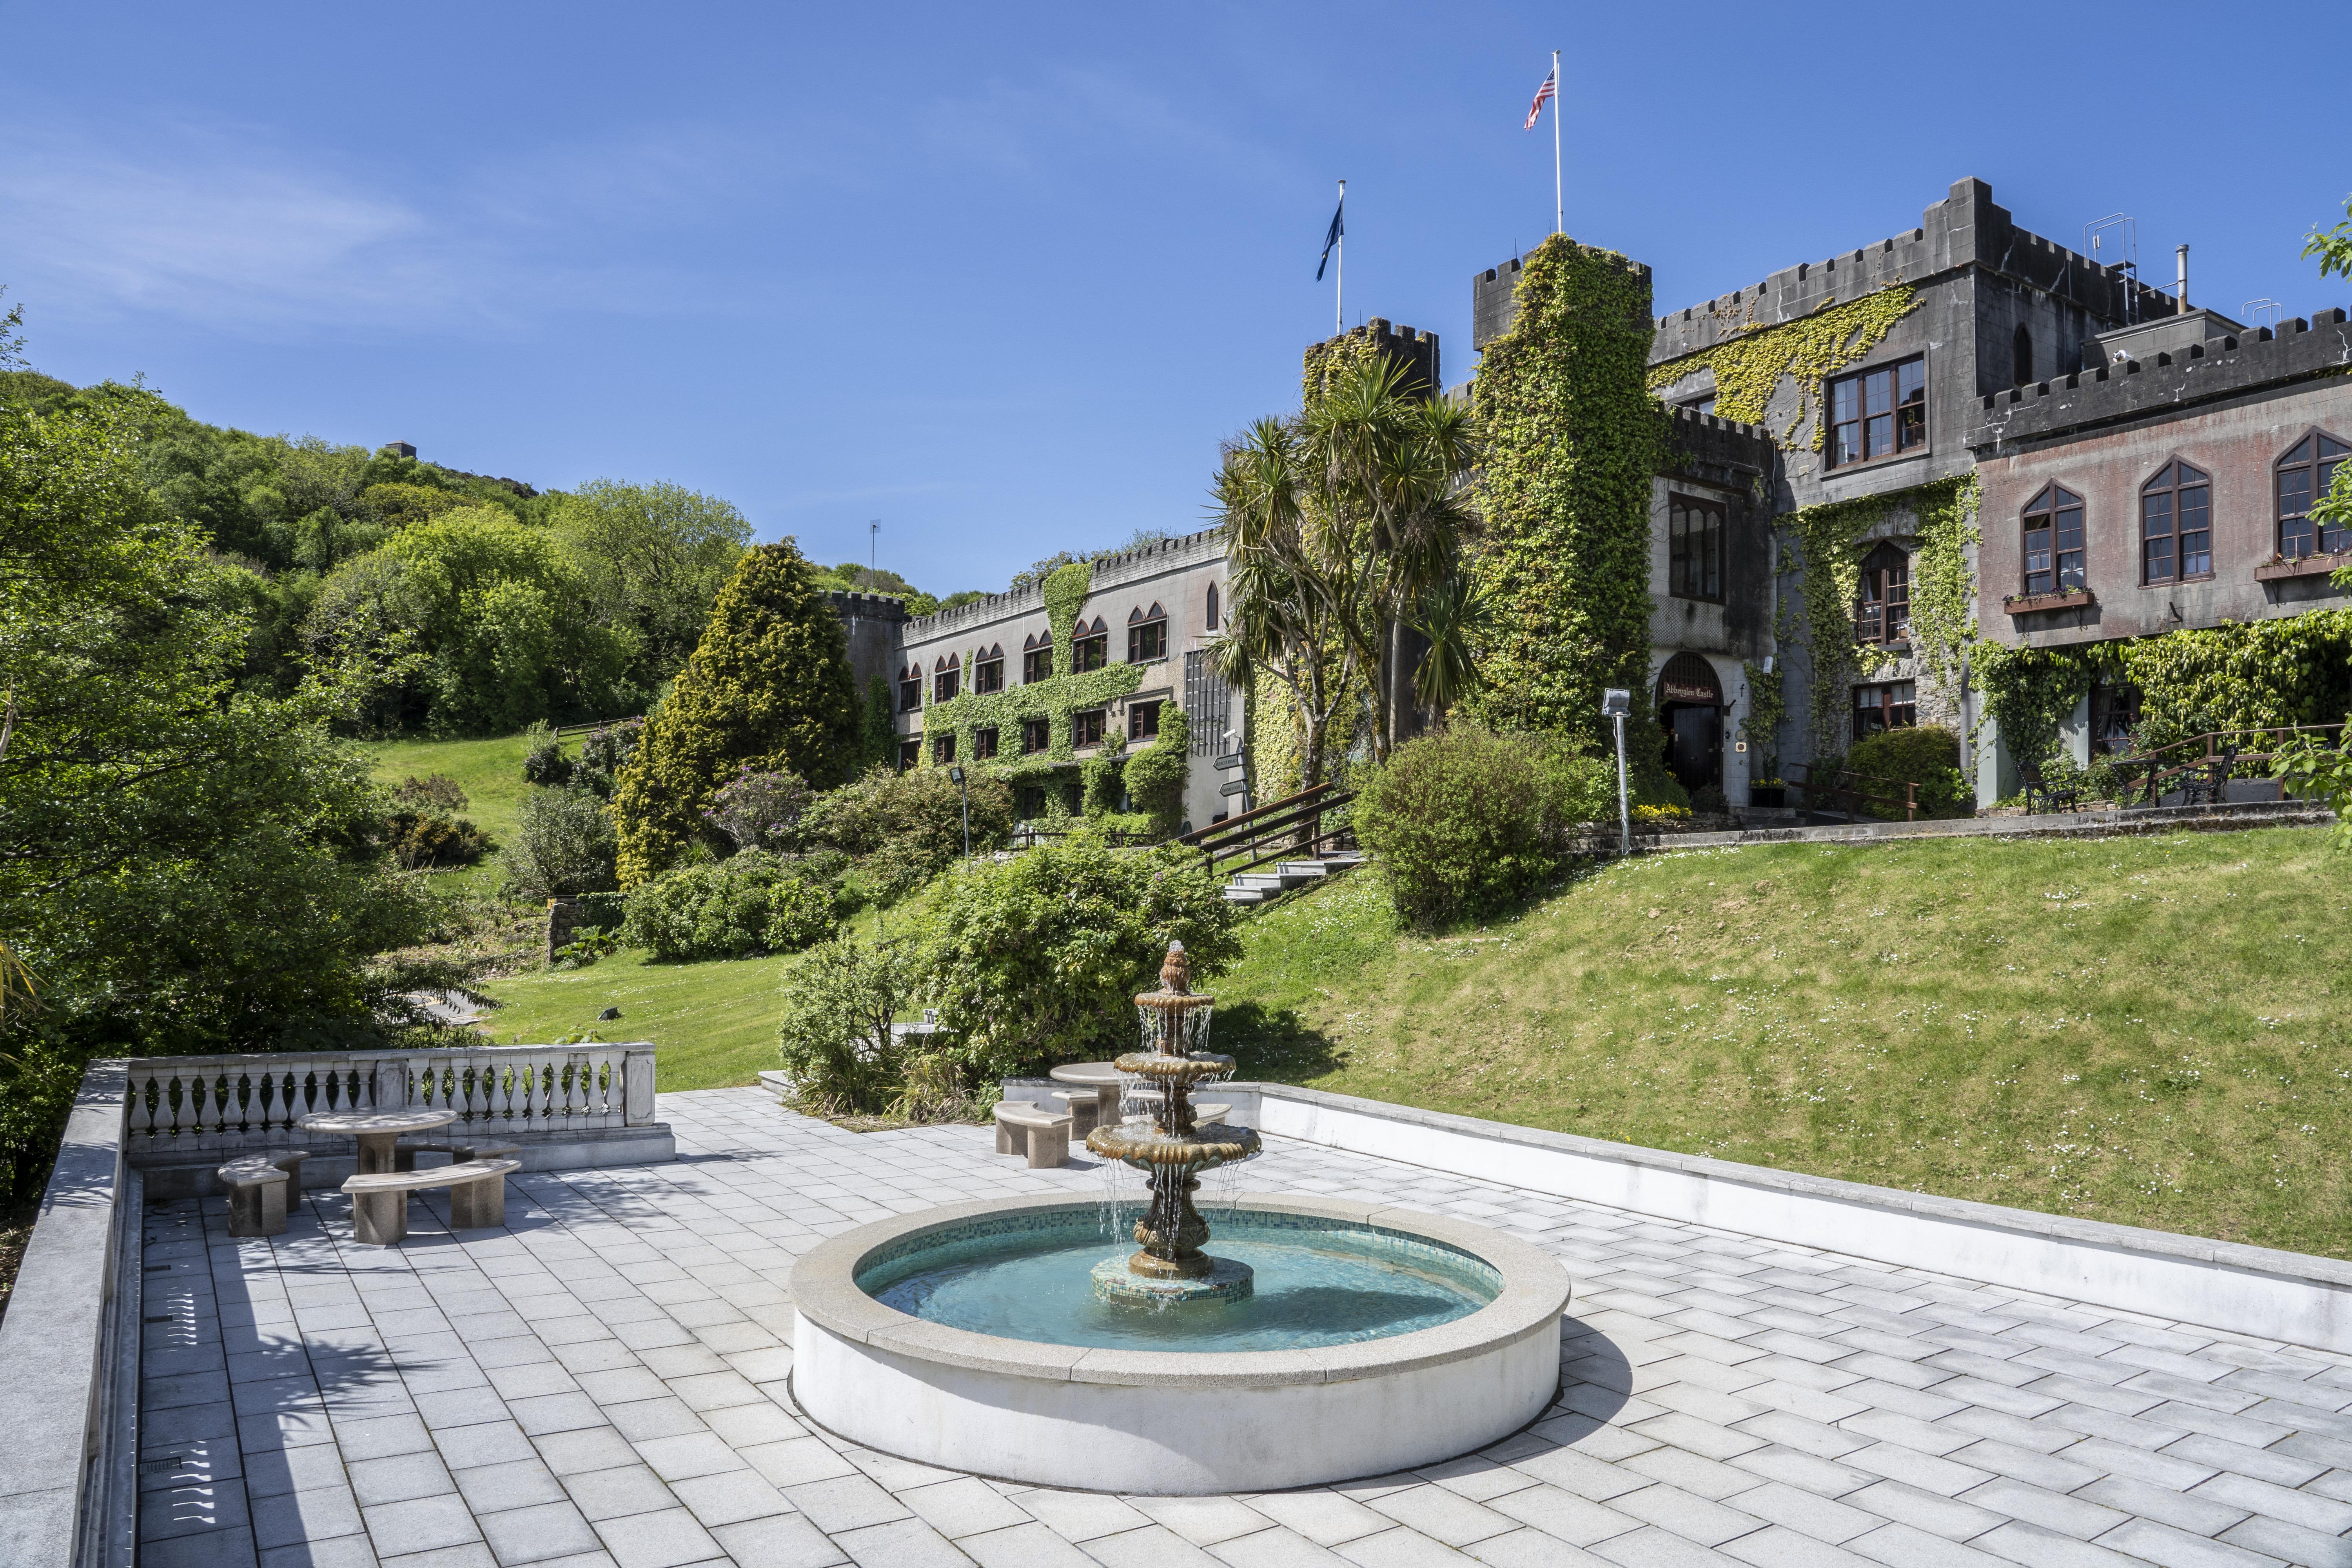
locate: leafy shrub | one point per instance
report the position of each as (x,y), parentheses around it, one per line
(1156,775)
(604,752)
(1926,755)
(588,945)
(760,808)
(1711,800)
(738,908)
(543,762)
(903,829)
(418,841)
(562,846)
(436,793)
(835,1040)
(1466,820)
(1034,960)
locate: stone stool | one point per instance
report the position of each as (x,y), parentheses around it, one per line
(256,1196)
(291,1162)
(1085,1109)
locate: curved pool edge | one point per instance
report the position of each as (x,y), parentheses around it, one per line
(1216,1421)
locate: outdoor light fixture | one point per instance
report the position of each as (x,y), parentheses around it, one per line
(1615,703)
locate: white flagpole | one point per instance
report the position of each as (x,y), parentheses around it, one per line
(1558,212)
(1340,282)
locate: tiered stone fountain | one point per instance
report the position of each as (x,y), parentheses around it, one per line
(1328,1341)
(1171,1151)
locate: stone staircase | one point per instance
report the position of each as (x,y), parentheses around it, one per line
(1268,883)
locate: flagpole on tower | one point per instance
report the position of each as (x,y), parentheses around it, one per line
(1339,276)
(1558,211)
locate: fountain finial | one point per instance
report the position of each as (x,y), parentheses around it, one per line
(1176,973)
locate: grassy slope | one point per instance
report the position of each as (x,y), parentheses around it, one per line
(716,1023)
(489,772)
(2147,1031)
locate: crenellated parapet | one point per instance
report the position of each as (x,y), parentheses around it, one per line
(1721,448)
(2117,394)
(1966,228)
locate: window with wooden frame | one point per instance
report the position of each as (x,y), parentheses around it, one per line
(1146,634)
(988,669)
(983,743)
(911,689)
(1878,413)
(1695,548)
(942,749)
(2303,476)
(910,753)
(1882,604)
(2175,524)
(946,676)
(2115,715)
(1087,728)
(1036,736)
(1089,646)
(2053,542)
(1036,658)
(1142,721)
(1888,705)
(1212,617)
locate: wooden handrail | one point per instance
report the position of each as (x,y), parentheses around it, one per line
(566,730)
(1201,835)
(2210,736)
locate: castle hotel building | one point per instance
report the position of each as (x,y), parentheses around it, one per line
(2141,465)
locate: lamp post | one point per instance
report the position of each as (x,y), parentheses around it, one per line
(955,777)
(1615,703)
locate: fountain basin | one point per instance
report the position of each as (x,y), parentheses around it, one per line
(1110,1418)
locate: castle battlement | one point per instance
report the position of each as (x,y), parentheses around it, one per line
(1966,228)
(1706,438)
(2219,367)
(1110,569)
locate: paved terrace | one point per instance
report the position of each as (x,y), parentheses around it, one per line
(604,1383)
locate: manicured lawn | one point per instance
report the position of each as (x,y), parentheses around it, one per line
(715,1023)
(2150,1031)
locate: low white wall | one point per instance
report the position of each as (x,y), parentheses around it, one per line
(68,1359)
(2286,1296)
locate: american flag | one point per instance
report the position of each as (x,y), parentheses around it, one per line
(1543,95)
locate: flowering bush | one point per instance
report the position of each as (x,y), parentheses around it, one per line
(759,809)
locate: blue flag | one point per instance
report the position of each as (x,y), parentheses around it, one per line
(1338,228)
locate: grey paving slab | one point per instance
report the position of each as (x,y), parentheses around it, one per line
(601,1384)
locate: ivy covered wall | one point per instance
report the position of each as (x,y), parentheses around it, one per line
(1574,441)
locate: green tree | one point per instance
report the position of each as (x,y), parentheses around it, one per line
(2332,246)
(839,1004)
(653,558)
(769,684)
(497,613)
(879,720)
(183,865)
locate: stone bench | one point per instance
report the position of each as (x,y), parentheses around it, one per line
(1044,1134)
(478,1197)
(1086,1108)
(460,1150)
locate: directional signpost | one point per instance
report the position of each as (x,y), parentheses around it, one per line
(1230,762)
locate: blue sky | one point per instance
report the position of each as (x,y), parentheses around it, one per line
(1003,277)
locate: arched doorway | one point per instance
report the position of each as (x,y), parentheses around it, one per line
(1690,710)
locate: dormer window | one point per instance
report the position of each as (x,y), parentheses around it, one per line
(1089,645)
(1881,612)
(1146,634)
(2053,542)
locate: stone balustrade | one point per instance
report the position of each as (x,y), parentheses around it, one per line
(565,1105)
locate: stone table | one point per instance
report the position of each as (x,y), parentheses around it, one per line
(1103,1078)
(377,1130)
